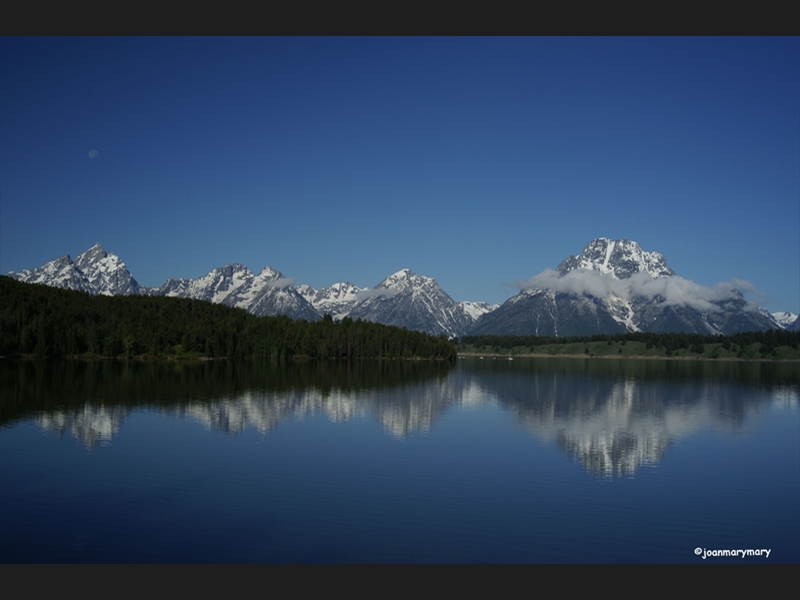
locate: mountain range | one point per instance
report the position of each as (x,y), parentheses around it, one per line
(612,286)
(403,299)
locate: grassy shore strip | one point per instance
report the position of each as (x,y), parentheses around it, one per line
(609,357)
(638,350)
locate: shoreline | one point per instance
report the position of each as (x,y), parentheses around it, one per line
(176,358)
(628,357)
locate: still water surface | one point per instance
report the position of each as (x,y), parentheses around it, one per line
(524,461)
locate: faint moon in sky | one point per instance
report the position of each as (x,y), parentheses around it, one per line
(92,153)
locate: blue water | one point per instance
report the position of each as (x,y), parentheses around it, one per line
(514,463)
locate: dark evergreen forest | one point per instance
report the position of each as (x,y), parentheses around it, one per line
(669,343)
(45,321)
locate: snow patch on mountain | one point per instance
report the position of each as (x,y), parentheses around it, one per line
(619,258)
(784,318)
(336,300)
(474,310)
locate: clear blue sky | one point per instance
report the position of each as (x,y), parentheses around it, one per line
(477,161)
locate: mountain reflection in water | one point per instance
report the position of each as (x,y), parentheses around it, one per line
(613,416)
(524,461)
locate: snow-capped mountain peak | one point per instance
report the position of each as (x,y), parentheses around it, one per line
(346,290)
(619,258)
(405,279)
(596,292)
(414,301)
(216,286)
(93,255)
(106,272)
(268,273)
(95,271)
(307,292)
(271,278)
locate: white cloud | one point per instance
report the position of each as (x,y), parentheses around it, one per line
(282,282)
(673,291)
(743,285)
(364,294)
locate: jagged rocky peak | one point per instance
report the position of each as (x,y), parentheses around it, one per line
(406,279)
(341,291)
(344,293)
(215,286)
(270,273)
(336,300)
(60,272)
(232,270)
(95,271)
(270,277)
(417,302)
(620,258)
(106,272)
(306,291)
(93,255)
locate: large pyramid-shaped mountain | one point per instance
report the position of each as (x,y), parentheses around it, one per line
(614,286)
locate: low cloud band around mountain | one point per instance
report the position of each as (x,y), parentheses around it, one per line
(671,291)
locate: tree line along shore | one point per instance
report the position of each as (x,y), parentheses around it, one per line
(43,321)
(753,345)
(38,320)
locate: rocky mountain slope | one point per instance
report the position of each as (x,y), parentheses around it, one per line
(267,294)
(336,300)
(416,302)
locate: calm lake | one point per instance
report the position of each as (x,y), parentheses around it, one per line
(481,461)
